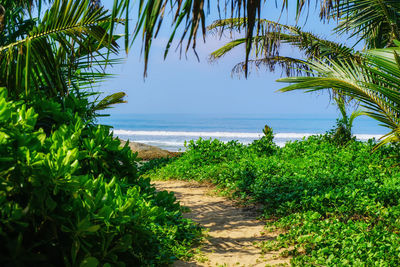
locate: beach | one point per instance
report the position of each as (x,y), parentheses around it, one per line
(171,131)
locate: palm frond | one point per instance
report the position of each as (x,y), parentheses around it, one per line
(289,66)
(377,22)
(271,36)
(72,28)
(374,82)
(108,101)
(191,16)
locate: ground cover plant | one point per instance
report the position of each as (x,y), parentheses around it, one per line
(339,204)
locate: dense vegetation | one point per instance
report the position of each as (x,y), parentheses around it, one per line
(73,197)
(339,204)
(70,195)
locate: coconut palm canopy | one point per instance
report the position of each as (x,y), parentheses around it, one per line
(374,23)
(188,16)
(191,16)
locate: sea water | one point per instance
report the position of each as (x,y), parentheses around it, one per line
(170,131)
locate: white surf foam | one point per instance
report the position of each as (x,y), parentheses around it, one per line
(189,134)
(368,136)
(153,137)
(210,134)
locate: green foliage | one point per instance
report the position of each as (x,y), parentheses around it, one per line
(210,151)
(154,164)
(265,145)
(341,134)
(374,82)
(191,16)
(52,54)
(73,198)
(268,42)
(339,205)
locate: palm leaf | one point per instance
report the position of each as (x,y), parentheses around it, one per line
(377,22)
(267,46)
(69,31)
(108,101)
(374,82)
(289,66)
(191,16)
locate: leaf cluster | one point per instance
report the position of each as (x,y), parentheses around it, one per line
(72,197)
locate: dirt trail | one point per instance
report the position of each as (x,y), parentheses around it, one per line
(233,230)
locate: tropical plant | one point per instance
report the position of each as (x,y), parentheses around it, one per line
(57,56)
(191,15)
(374,22)
(47,55)
(73,198)
(70,194)
(267,46)
(265,145)
(372,81)
(375,83)
(341,134)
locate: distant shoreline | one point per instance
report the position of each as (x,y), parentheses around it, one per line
(169,132)
(173,141)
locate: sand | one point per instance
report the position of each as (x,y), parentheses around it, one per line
(233,231)
(147,152)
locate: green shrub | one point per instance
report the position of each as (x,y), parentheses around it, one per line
(155,164)
(73,197)
(210,151)
(265,145)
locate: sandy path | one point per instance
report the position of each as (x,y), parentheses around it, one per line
(232,230)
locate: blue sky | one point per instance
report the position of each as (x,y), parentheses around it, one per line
(186,86)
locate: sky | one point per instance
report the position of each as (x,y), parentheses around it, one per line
(183,85)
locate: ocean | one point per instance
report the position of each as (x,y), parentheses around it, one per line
(170,131)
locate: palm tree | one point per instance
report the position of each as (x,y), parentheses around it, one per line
(375,22)
(372,81)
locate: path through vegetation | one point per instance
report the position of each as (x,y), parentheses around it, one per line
(233,231)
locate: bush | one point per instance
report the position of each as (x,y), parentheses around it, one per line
(73,197)
(265,145)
